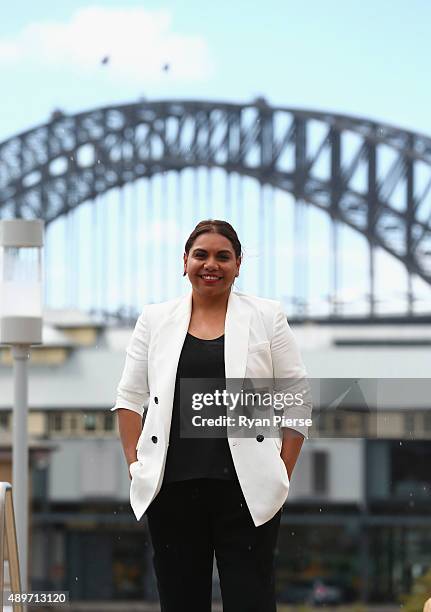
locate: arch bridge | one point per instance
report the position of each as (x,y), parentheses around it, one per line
(369,176)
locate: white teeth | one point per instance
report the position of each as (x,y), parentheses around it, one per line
(210,277)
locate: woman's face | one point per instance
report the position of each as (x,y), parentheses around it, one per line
(211,264)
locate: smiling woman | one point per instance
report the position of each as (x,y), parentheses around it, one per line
(227,491)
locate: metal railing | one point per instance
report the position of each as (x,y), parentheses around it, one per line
(8,545)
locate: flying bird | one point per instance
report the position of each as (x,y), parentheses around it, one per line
(105,60)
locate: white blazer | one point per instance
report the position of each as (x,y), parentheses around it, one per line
(258,344)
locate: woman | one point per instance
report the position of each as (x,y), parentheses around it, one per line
(206,495)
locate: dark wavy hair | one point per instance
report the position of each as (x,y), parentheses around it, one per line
(214,226)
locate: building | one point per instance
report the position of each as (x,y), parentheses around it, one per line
(359,505)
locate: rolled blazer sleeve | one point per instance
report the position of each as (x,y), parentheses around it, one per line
(132,390)
(290,375)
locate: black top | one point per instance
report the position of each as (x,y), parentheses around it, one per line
(198,457)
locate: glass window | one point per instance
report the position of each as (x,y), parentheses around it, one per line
(321,421)
(427,422)
(73,423)
(338,423)
(90,421)
(409,424)
(354,424)
(108,422)
(410,475)
(56,421)
(4,420)
(320,471)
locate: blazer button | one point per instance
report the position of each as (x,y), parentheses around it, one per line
(154,439)
(260,438)
(156,400)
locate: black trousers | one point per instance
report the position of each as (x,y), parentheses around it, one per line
(191,520)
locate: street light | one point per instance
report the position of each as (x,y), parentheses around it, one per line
(21,279)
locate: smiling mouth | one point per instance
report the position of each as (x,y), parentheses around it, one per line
(209,277)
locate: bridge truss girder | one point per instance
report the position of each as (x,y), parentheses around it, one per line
(47,171)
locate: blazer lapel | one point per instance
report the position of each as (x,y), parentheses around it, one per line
(172,333)
(237,328)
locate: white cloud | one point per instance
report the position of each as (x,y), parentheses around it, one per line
(138,42)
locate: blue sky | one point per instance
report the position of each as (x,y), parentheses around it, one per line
(363,58)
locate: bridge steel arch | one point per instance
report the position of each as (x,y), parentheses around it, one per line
(47,171)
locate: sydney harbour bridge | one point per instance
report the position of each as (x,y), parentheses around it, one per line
(328,207)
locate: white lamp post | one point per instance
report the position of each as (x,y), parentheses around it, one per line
(21,290)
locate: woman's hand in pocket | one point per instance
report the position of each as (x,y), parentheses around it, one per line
(290,449)
(131,467)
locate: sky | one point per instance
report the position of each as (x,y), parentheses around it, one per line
(363,58)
